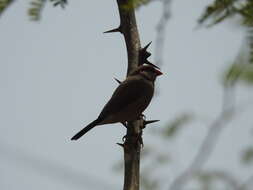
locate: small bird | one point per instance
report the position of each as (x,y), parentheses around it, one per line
(129,99)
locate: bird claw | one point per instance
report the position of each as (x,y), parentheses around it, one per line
(138,139)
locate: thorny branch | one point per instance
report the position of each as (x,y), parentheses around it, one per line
(136,57)
(131,146)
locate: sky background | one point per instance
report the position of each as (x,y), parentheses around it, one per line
(57,74)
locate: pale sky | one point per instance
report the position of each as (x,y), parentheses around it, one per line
(57,74)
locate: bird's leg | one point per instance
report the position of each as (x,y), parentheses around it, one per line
(125,124)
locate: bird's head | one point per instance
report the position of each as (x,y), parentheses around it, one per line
(147,71)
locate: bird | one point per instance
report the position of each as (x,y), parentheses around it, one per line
(128,101)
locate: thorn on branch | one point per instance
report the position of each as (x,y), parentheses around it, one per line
(114,30)
(149,63)
(146,47)
(118,81)
(144,55)
(121,145)
(145,123)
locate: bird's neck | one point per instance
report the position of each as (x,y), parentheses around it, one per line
(147,77)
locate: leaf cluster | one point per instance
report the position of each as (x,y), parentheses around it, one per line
(239,72)
(4,4)
(36,7)
(221,10)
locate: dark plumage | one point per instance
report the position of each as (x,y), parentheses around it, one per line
(129,99)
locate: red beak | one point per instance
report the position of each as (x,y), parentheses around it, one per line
(158,72)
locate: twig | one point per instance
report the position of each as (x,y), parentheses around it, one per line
(210,140)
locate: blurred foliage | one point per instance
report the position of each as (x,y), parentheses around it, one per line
(36,6)
(239,72)
(220,10)
(62,3)
(35,9)
(4,4)
(247,156)
(212,179)
(147,181)
(205,180)
(173,127)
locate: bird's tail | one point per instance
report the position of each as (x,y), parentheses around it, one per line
(85,129)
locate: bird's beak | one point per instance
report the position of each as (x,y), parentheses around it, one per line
(158,73)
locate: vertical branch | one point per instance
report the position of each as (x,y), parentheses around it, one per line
(132,146)
(128,28)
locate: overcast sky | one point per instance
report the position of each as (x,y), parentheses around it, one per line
(57,74)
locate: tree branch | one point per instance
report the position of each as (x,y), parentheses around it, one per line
(132,146)
(129,29)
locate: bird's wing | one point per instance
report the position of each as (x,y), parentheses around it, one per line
(127,92)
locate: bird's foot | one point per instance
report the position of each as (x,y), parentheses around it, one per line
(138,139)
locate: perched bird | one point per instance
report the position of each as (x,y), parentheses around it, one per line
(129,100)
